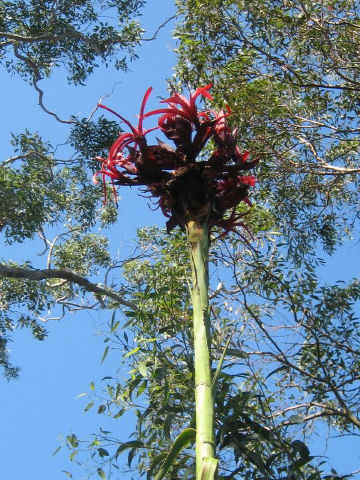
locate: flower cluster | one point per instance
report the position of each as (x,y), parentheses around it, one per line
(186,188)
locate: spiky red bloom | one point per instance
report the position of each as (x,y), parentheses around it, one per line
(186,188)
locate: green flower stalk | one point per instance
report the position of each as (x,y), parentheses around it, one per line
(197,196)
(199,255)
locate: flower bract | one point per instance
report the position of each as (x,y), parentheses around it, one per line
(185,187)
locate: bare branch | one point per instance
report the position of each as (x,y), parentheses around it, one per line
(158,29)
(16,157)
(23,156)
(36,78)
(65,274)
(334,170)
(52,38)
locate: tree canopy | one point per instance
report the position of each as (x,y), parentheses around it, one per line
(39,190)
(289,71)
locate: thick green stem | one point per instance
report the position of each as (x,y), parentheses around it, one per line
(199,251)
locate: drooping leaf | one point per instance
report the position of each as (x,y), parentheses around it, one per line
(56,451)
(186,436)
(142,368)
(126,445)
(72,440)
(102,452)
(88,406)
(105,353)
(73,455)
(101,473)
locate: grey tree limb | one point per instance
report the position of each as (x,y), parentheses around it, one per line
(65,274)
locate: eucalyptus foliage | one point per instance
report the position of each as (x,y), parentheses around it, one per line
(37,37)
(289,70)
(40,192)
(280,369)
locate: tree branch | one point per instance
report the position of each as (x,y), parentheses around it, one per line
(158,29)
(36,78)
(65,274)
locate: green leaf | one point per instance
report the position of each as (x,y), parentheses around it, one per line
(154,463)
(102,452)
(67,473)
(101,409)
(300,447)
(101,473)
(88,406)
(131,455)
(300,463)
(141,388)
(94,443)
(209,467)
(72,440)
(81,395)
(133,384)
(56,451)
(114,328)
(259,429)
(167,426)
(73,455)
(120,413)
(127,445)
(113,318)
(186,436)
(105,354)
(219,366)
(134,350)
(142,368)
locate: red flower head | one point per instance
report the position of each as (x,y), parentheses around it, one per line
(186,189)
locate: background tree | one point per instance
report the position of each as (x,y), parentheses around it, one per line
(39,190)
(290,73)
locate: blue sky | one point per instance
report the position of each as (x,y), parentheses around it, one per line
(43,405)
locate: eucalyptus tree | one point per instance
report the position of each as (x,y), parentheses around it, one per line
(290,72)
(289,359)
(36,38)
(40,191)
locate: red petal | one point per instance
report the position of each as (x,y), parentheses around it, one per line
(122,118)
(249,180)
(202,91)
(141,117)
(179,99)
(112,175)
(245,156)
